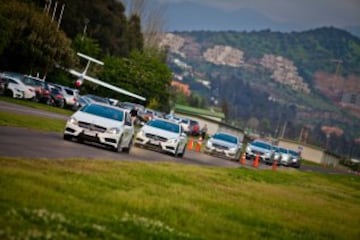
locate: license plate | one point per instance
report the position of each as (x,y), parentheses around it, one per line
(219,150)
(90,133)
(154,142)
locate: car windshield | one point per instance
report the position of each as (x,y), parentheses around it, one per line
(104,111)
(69,91)
(164,125)
(225,137)
(262,145)
(283,150)
(294,153)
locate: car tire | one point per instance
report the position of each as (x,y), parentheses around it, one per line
(118,147)
(9,93)
(127,150)
(62,104)
(183,152)
(67,137)
(176,153)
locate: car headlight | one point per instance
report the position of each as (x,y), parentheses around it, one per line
(209,144)
(294,160)
(267,154)
(173,141)
(113,131)
(73,120)
(248,149)
(233,149)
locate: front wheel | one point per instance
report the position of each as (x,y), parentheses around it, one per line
(128,148)
(183,152)
(67,137)
(118,147)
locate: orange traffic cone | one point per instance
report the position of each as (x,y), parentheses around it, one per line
(198,145)
(242,158)
(274,165)
(190,144)
(256,161)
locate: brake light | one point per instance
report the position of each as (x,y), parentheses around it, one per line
(75,99)
(59,96)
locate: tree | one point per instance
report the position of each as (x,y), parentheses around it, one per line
(141,73)
(86,45)
(153,19)
(34,44)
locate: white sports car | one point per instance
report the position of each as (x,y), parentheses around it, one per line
(163,135)
(224,145)
(103,124)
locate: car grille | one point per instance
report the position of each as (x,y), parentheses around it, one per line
(155,137)
(220,146)
(92,127)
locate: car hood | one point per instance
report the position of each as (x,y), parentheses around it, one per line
(259,149)
(159,132)
(222,143)
(97,120)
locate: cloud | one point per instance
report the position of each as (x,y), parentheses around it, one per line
(304,12)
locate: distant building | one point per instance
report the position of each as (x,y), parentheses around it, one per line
(213,119)
(351,98)
(311,153)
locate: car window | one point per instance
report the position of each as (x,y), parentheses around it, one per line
(168,126)
(69,91)
(283,150)
(262,145)
(294,153)
(225,137)
(103,111)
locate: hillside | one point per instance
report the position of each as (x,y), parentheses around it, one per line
(309,78)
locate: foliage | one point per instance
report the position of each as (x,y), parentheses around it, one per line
(141,73)
(31,41)
(86,45)
(92,199)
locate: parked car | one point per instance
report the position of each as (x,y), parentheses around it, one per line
(15,87)
(51,95)
(70,96)
(263,149)
(95,98)
(224,145)
(294,159)
(162,135)
(173,117)
(185,123)
(37,83)
(140,117)
(101,123)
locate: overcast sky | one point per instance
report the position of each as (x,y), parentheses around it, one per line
(307,13)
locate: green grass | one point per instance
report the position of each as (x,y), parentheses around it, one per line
(36,105)
(32,122)
(92,199)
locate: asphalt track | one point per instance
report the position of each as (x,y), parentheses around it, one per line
(33,144)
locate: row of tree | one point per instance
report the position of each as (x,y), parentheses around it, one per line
(36,38)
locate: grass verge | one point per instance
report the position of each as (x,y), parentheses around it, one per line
(36,105)
(92,199)
(32,122)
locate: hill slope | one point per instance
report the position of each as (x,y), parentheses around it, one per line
(275,77)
